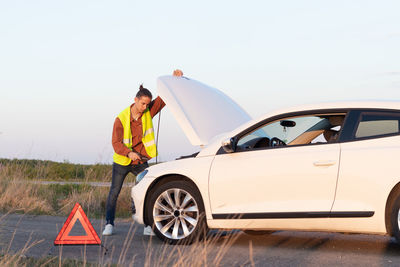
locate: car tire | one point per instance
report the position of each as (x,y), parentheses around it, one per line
(395,218)
(255,232)
(176,212)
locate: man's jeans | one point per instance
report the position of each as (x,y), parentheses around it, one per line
(119,173)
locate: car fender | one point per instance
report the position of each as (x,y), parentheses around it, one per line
(194,169)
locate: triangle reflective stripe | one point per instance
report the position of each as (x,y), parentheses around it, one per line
(150,143)
(125,118)
(91,237)
(148,131)
(148,134)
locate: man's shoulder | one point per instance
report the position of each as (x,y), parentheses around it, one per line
(125,112)
(117,121)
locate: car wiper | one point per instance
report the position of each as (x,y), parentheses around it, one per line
(188,156)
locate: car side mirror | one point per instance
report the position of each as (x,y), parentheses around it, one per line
(228,145)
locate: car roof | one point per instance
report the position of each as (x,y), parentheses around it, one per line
(390,105)
(347,105)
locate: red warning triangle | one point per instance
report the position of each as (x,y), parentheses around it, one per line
(91,237)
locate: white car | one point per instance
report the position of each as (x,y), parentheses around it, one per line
(326,167)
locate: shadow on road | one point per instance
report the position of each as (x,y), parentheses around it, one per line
(327,242)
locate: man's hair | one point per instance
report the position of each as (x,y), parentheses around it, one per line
(143,92)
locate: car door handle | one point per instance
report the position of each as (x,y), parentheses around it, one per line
(324,163)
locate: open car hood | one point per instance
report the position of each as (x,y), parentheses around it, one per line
(202,111)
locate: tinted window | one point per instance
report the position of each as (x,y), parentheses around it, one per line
(376,124)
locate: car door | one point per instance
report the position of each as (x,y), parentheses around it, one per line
(264,179)
(369,168)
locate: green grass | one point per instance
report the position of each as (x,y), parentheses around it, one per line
(31,169)
(56,171)
(18,195)
(20,192)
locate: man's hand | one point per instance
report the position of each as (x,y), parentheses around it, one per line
(134,156)
(178,73)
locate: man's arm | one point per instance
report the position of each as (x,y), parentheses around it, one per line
(155,106)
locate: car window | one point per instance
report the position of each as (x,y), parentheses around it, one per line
(376,124)
(299,130)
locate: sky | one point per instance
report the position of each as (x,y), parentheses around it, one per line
(67,68)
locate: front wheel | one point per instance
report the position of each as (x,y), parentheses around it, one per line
(176,212)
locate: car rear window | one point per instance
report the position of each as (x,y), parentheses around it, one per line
(377,124)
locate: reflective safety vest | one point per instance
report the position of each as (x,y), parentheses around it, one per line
(147,139)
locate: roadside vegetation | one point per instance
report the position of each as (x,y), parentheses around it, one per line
(55,171)
(20,190)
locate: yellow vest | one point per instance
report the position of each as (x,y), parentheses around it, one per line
(147,139)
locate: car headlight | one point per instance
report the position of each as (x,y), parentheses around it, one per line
(140,176)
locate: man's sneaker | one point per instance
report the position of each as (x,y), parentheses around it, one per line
(108,230)
(148,231)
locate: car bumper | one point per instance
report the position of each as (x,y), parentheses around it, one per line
(138,194)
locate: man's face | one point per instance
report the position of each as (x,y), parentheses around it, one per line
(142,103)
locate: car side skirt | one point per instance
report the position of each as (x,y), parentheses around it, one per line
(294,215)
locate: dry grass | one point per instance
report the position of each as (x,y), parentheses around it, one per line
(16,259)
(203,253)
(22,197)
(93,200)
(19,259)
(211,251)
(18,195)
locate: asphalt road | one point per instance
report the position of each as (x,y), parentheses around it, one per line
(130,247)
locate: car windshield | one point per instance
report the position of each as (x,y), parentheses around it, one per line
(295,131)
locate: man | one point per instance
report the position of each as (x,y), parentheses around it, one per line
(133,143)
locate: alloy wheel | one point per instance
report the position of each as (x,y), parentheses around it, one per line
(175,213)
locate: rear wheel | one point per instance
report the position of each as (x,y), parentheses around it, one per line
(395,218)
(176,212)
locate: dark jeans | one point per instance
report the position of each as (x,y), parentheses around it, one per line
(119,172)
